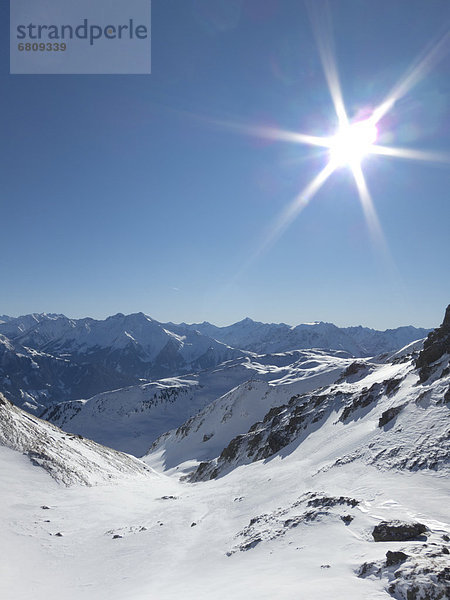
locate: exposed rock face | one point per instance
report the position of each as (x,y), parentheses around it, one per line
(390,414)
(435,346)
(397,531)
(420,574)
(312,507)
(394,558)
(281,426)
(398,402)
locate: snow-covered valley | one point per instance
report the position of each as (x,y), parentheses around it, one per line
(307,474)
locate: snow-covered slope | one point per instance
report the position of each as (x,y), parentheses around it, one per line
(324,517)
(390,419)
(397,412)
(69,459)
(130,419)
(279,337)
(205,434)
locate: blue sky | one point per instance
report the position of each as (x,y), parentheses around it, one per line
(125,193)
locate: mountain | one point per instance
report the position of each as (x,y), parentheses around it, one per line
(279,337)
(130,419)
(402,393)
(34,379)
(69,459)
(400,416)
(337,492)
(132,343)
(205,434)
(100,355)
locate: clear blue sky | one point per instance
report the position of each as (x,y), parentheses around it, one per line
(119,194)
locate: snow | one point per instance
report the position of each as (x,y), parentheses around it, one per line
(279,337)
(68,459)
(162,556)
(130,419)
(297,524)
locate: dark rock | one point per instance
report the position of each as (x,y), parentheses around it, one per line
(117,537)
(249,545)
(435,346)
(253,443)
(353,369)
(276,441)
(366,568)
(447,396)
(44,507)
(392,385)
(364,399)
(193,524)
(397,531)
(321,501)
(390,414)
(394,558)
(59,534)
(230,451)
(273,412)
(347,519)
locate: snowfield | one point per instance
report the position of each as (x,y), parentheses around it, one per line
(329,485)
(162,555)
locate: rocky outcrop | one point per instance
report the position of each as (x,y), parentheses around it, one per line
(397,531)
(281,426)
(390,414)
(420,573)
(312,507)
(435,346)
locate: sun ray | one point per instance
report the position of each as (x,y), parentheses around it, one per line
(289,136)
(416,72)
(273,133)
(370,213)
(288,215)
(407,153)
(320,16)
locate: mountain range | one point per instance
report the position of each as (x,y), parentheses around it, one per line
(50,358)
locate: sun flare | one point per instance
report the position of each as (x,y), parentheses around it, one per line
(353,142)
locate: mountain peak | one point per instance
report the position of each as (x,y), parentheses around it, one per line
(435,346)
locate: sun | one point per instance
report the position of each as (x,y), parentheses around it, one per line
(352,143)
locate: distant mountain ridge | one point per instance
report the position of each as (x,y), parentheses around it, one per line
(119,351)
(50,358)
(278,337)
